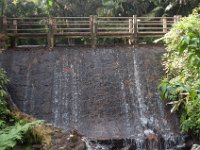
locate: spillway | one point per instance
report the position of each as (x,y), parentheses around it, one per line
(107,94)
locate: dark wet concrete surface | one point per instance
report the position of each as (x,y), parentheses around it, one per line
(103,93)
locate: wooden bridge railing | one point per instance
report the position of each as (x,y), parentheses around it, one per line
(93,27)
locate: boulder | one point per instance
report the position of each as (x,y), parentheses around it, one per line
(129,147)
(195,147)
(68,141)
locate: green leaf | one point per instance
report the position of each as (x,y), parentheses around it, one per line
(182,66)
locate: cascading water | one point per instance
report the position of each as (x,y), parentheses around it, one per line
(56,94)
(125,104)
(139,96)
(27,89)
(107,94)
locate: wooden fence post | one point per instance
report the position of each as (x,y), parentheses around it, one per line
(15,33)
(179,17)
(53,31)
(164,19)
(135,24)
(5,25)
(3,41)
(130,41)
(175,19)
(50,35)
(93,29)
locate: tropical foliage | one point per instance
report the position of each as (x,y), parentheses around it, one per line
(21,8)
(147,7)
(12,130)
(181,87)
(4,111)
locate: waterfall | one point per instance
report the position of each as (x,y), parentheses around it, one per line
(125,104)
(107,94)
(25,104)
(65,83)
(140,98)
(56,93)
(75,95)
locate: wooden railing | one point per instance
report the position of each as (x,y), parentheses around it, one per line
(93,27)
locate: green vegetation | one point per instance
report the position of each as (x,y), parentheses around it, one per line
(181,87)
(17,127)
(4,111)
(12,129)
(21,8)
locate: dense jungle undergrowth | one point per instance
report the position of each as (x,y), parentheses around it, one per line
(181,86)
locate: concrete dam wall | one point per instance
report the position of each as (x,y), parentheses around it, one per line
(104,93)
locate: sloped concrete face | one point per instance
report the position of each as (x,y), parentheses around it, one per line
(103,93)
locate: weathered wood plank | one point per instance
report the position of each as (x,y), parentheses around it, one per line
(73,34)
(135,24)
(93,26)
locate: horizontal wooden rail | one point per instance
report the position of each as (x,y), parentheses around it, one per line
(93,27)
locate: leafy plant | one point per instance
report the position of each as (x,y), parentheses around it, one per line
(12,128)
(4,111)
(13,134)
(181,87)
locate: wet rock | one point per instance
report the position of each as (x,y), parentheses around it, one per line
(188,142)
(67,141)
(152,138)
(112,144)
(151,142)
(195,147)
(182,147)
(129,147)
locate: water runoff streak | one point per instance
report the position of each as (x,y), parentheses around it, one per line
(109,95)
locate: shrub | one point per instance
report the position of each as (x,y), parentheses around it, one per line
(181,87)
(4,111)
